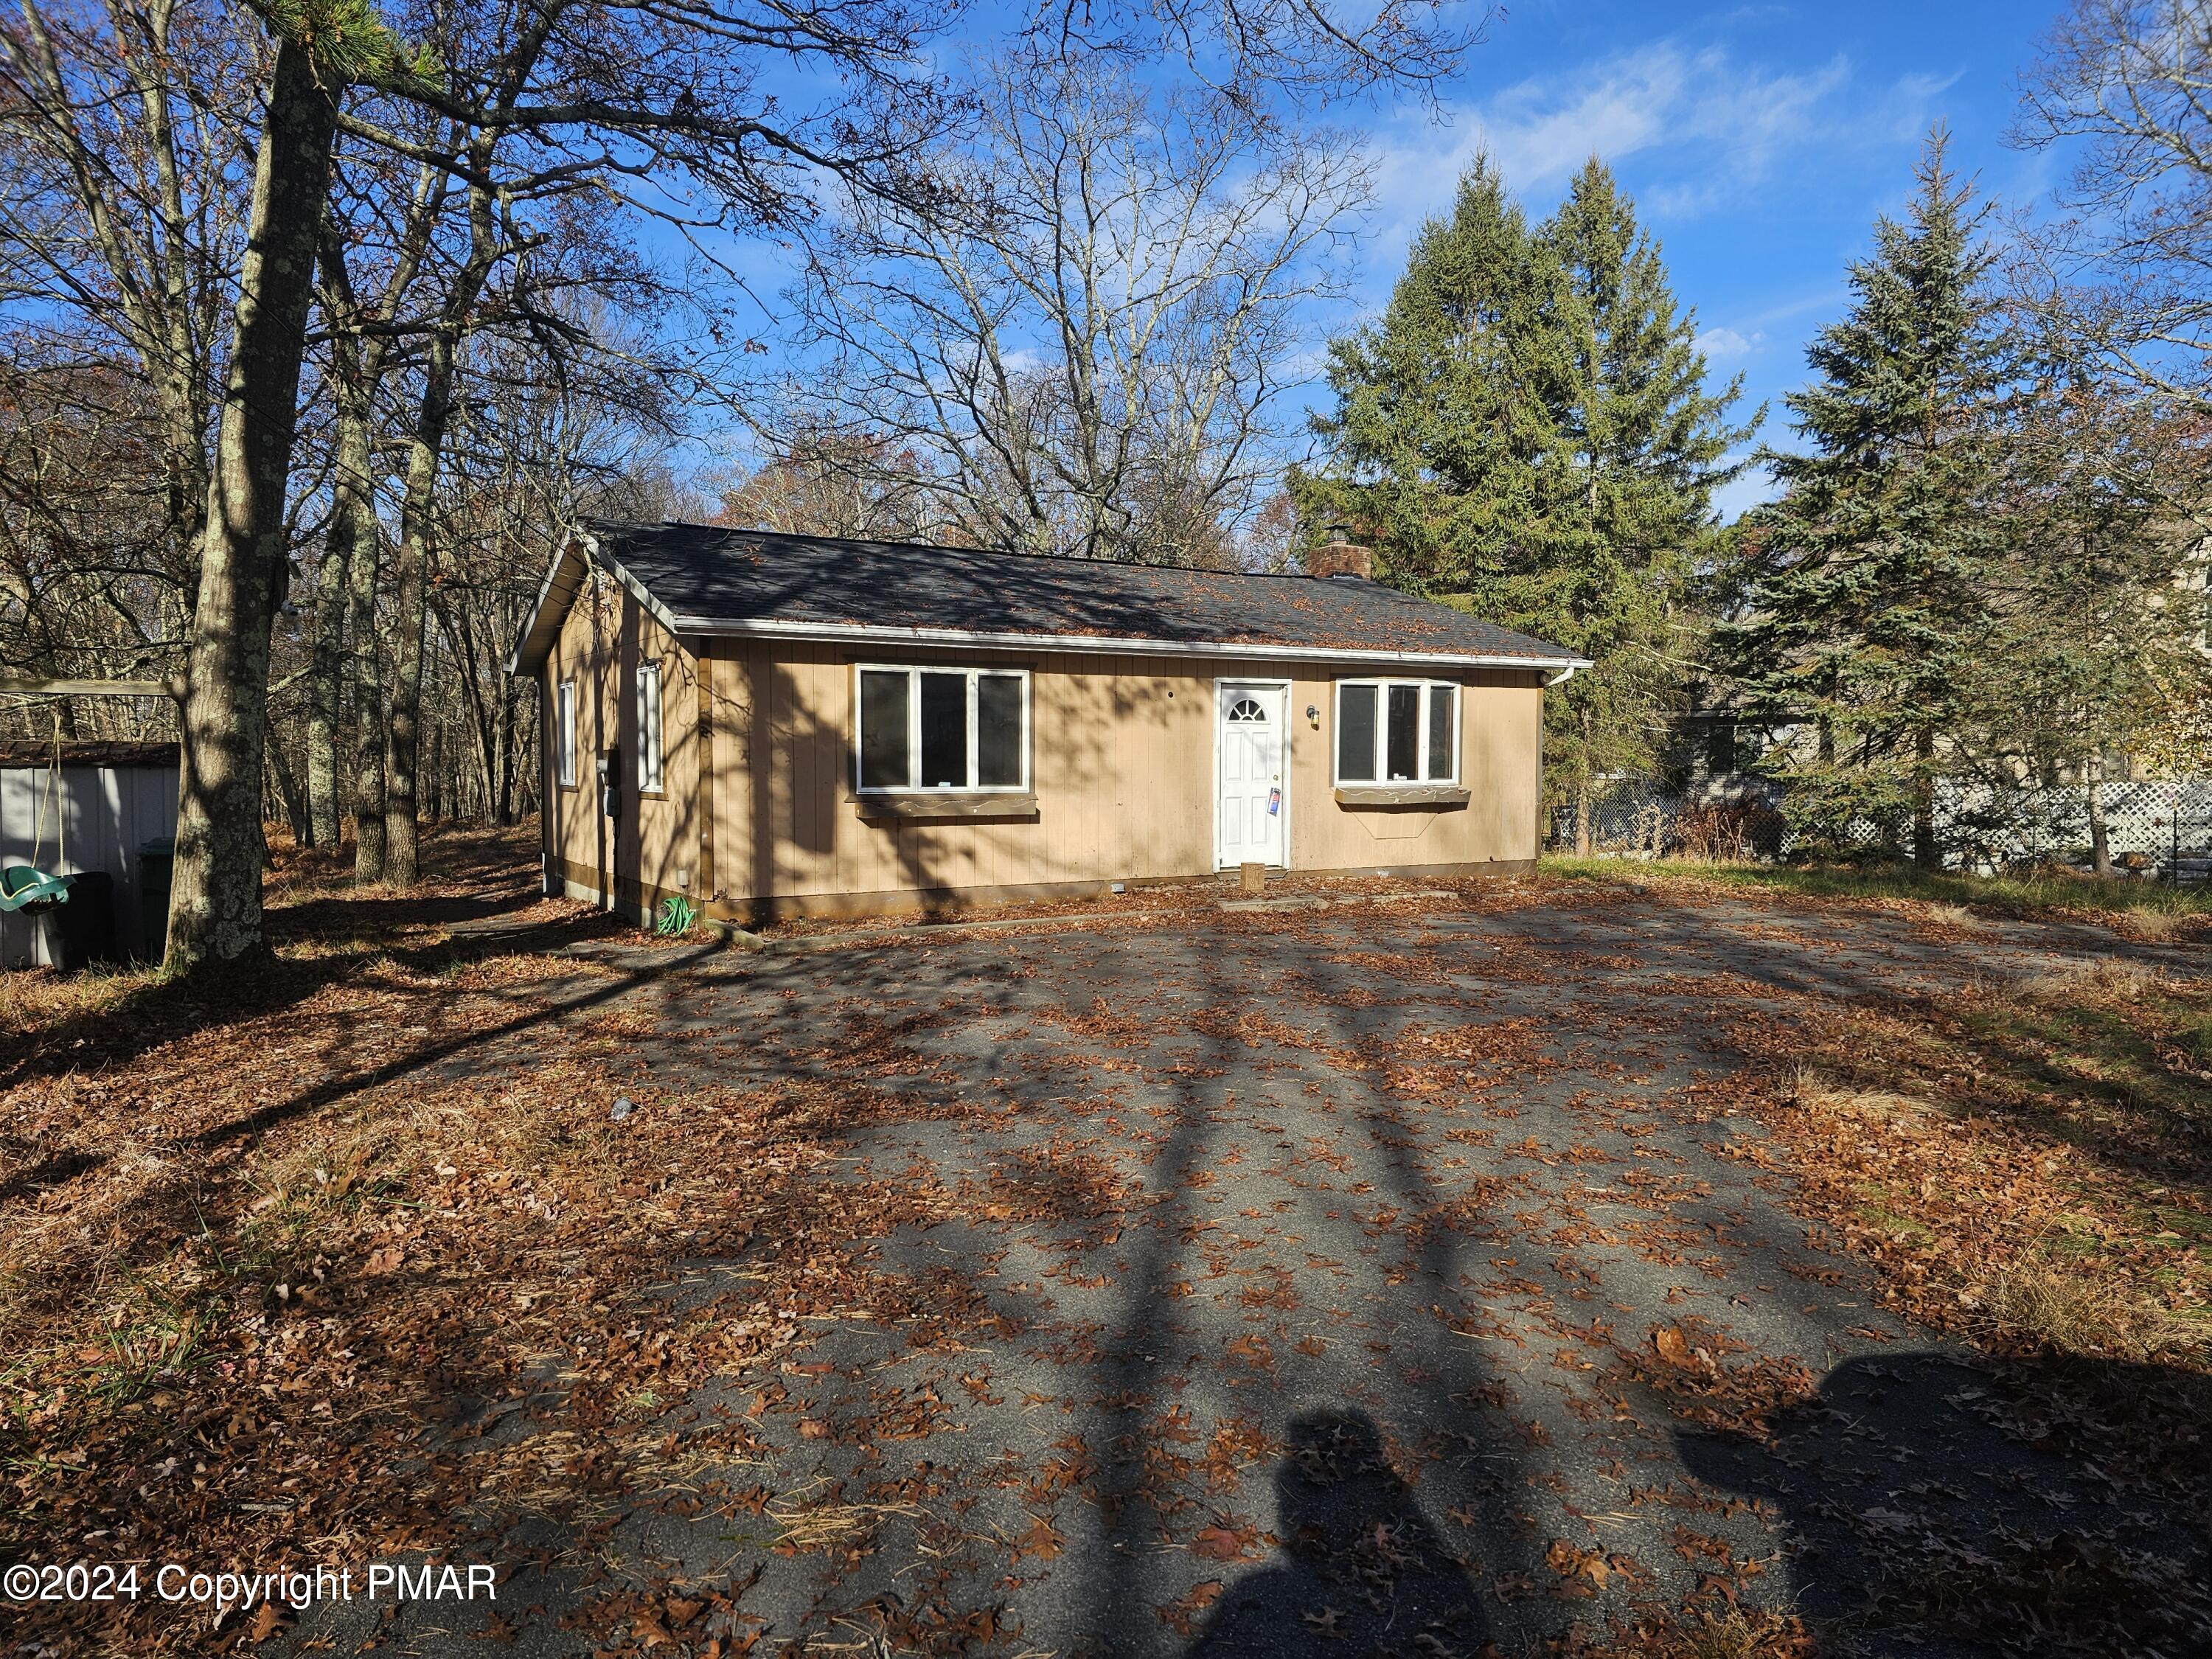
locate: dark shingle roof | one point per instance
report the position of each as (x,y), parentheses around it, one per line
(703,578)
(18,752)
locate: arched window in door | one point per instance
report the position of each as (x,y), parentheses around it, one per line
(1247,711)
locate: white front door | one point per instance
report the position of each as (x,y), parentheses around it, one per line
(1251,811)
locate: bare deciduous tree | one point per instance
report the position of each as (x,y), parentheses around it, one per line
(824,481)
(126,173)
(87,584)
(2124,270)
(1084,330)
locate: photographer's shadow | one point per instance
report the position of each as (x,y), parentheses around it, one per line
(1361,1569)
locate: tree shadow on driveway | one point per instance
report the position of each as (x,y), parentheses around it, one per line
(1361,1568)
(1933,1506)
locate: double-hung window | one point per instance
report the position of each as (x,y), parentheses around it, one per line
(944,729)
(648,728)
(1397,731)
(564,733)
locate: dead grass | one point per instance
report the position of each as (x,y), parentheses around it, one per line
(1811,1088)
(1736,1634)
(2155,926)
(2150,909)
(2084,1315)
(2084,983)
(33,999)
(2027,1160)
(808,1523)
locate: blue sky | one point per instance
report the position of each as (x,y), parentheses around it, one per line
(1759,142)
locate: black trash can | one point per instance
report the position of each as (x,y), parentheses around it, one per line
(76,930)
(86,922)
(155,859)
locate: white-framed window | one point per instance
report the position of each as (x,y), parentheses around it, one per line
(1397,731)
(922,729)
(564,734)
(648,727)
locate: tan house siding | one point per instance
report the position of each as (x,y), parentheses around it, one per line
(1122,766)
(655,845)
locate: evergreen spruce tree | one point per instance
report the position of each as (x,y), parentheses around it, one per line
(1866,617)
(1626,493)
(1527,432)
(1442,408)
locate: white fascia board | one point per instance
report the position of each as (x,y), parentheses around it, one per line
(540,613)
(874,634)
(652,607)
(584,547)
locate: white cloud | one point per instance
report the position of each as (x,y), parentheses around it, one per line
(1715,129)
(1721,344)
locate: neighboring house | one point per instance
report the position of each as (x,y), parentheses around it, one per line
(776,725)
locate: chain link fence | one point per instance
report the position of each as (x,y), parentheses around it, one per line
(2154,830)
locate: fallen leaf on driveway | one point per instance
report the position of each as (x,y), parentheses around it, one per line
(1224,1543)
(1181,1614)
(1043,1540)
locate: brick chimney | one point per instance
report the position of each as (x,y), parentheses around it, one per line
(1342,557)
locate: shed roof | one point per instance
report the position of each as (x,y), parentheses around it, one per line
(698,579)
(19,752)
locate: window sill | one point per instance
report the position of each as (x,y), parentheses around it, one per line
(1434,796)
(920,805)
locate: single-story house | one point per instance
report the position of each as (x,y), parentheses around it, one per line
(776,725)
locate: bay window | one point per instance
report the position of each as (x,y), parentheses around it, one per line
(1397,731)
(942,730)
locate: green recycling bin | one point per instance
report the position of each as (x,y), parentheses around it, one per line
(155,859)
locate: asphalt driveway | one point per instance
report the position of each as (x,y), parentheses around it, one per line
(1388,1278)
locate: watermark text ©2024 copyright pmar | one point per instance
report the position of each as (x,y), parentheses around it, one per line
(232,1590)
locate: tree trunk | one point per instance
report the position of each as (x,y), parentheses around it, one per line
(1926,853)
(2101,846)
(510,698)
(411,618)
(326,678)
(289,797)
(1585,831)
(434,773)
(461,641)
(368,706)
(352,539)
(215,906)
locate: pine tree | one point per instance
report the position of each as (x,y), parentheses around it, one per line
(1627,491)
(1527,432)
(1866,617)
(1442,408)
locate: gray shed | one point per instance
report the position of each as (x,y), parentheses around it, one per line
(112,798)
